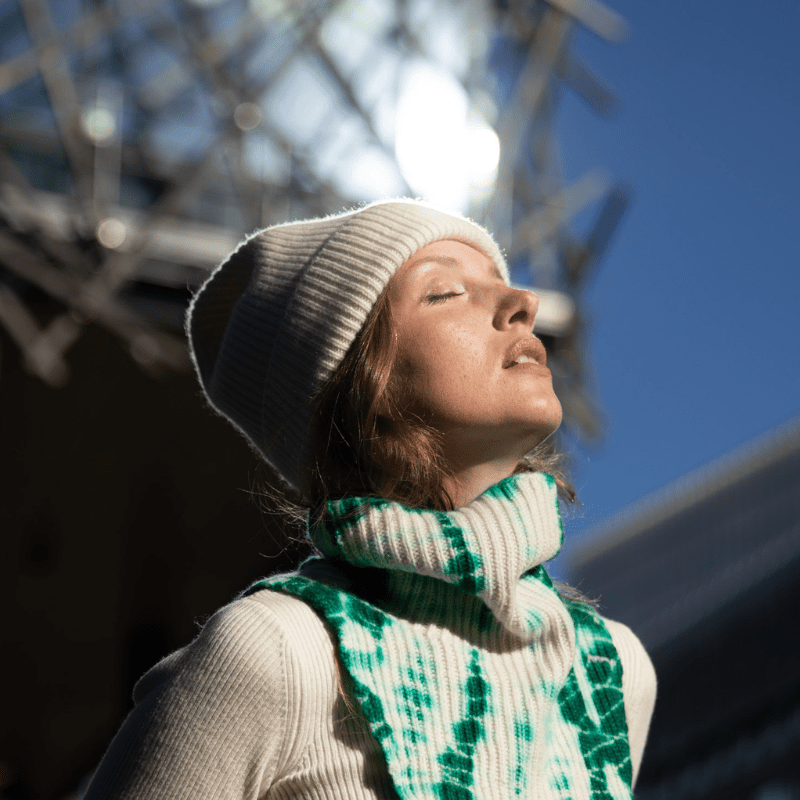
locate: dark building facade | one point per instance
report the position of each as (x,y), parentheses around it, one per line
(708,575)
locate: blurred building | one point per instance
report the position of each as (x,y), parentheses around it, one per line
(707,573)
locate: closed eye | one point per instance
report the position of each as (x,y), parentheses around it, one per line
(432,299)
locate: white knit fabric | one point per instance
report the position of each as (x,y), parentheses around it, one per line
(477,678)
(254,707)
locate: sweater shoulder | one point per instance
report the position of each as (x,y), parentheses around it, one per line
(309,649)
(239,698)
(268,658)
(639,687)
(636,663)
(248,639)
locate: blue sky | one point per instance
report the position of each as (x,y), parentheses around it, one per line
(696,305)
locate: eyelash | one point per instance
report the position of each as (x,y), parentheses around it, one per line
(433,299)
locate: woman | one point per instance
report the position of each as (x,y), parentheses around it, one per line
(381,364)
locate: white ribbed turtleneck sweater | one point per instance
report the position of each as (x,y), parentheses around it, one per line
(474,678)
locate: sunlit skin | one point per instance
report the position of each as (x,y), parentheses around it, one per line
(466,350)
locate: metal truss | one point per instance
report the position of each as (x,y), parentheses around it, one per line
(140,139)
(531,208)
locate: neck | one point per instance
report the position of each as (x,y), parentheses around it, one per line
(478,462)
(472,480)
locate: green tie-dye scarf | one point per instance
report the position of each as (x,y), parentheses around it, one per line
(476,677)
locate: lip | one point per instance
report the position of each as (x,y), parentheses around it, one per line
(527,346)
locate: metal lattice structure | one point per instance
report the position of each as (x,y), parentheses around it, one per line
(532,61)
(140,139)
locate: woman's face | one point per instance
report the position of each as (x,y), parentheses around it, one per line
(467,353)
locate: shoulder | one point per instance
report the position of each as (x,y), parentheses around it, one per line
(636,664)
(268,618)
(228,714)
(249,686)
(638,687)
(257,644)
(262,619)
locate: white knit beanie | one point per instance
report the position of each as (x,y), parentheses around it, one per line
(274,320)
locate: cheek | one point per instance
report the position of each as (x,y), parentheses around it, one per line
(431,357)
(440,375)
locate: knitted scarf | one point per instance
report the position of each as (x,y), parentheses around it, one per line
(476,677)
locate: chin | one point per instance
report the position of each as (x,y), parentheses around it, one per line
(547,418)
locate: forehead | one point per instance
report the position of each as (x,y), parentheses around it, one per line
(450,255)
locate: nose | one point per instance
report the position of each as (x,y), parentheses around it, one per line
(516,307)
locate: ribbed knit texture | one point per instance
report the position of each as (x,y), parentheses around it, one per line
(256,706)
(518,693)
(274,320)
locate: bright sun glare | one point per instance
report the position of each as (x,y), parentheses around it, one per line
(446,150)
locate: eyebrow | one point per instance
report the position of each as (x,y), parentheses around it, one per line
(449,261)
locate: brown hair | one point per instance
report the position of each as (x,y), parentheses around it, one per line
(365,443)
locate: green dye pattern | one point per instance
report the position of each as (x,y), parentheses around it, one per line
(372,708)
(560,780)
(551,482)
(338,518)
(601,745)
(605,744)
(411,688)
(458,761)
(366,615)
(505,490)
(414,699)
(534,615)
(464,565)
(341,609)
(523,739)
(541,574)
(317,594)
(341,516)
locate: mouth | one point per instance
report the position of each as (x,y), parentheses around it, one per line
(526,351)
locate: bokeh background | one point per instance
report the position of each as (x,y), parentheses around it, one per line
(638,164)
